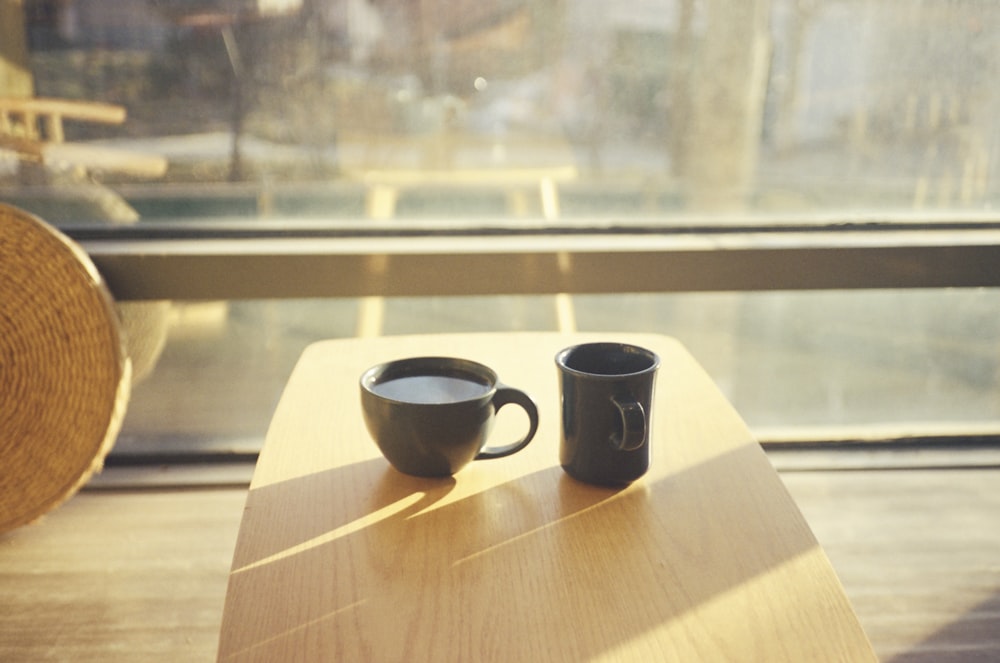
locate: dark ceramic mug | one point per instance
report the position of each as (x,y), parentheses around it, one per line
(431,416)
(606,390)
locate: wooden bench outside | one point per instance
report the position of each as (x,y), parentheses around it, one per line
(33,129)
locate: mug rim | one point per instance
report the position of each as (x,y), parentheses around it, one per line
(563,354)
(411,367)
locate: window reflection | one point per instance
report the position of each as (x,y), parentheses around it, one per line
(676,104)
(558,109)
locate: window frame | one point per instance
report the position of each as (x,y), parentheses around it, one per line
(304,259)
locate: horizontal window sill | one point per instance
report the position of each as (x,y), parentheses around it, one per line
(349,260)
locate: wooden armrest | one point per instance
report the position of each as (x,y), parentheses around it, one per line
(85,111)
(52,112)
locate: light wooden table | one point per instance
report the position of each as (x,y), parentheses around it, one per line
(341,558)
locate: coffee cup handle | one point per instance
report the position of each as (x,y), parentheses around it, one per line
(633,425)
(503,396)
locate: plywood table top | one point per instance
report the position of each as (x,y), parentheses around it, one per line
(342,558)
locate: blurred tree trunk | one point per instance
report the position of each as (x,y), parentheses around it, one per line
(725,101)
(788,97)
(681,80)
(15,72)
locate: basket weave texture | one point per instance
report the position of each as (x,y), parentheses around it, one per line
(64,373)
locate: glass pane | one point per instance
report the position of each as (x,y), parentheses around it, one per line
(150,111)
(803,365)
(489,108)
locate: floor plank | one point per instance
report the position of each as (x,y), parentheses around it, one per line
(917,552)
(119,576)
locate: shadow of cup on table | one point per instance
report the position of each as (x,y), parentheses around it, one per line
(359,560)
(429,416)
(418,550)
(358,489)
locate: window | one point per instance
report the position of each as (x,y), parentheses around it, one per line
(804,192)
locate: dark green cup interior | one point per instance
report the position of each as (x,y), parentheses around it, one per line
(616,359)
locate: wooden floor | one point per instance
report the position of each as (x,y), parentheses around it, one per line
(126,574)
(918,553)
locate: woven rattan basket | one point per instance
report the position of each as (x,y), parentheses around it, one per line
(64,374)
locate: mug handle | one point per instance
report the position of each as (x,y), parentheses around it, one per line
(503,396)
(633,425)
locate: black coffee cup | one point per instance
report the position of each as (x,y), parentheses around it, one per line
(606,390)
(431,416)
